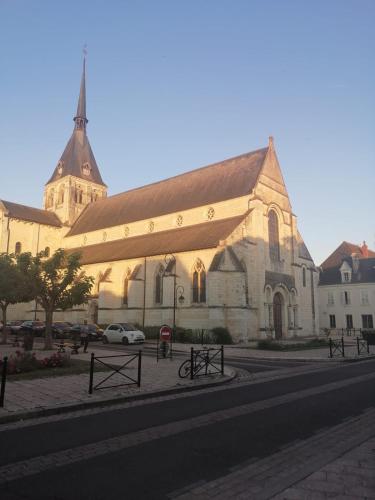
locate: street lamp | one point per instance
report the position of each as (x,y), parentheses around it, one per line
(170,261)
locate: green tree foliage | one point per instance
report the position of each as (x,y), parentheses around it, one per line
(14,284)
(58,283)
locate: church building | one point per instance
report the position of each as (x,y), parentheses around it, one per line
(215,246)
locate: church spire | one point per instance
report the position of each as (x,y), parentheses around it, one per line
(80,118)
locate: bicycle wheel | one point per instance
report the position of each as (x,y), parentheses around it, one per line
(185,369)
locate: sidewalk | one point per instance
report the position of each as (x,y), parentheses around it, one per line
(38,396)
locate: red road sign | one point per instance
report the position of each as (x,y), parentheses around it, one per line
(165,333)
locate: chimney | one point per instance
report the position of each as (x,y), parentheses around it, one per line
(364,250)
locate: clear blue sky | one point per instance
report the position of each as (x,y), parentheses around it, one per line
(175,85)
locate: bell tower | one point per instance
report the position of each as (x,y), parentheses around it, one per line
(76,180)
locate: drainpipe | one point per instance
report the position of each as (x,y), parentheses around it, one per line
(144,295)
(37,248)
(8,230)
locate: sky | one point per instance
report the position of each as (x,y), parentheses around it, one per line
(175,85)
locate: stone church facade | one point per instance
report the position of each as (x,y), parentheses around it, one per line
(216,246)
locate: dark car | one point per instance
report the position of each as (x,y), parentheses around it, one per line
(15,325)
(95,332)
(37,328)
(61,329)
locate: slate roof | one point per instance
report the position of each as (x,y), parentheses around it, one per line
(31,214)
(78,150)
(344,250)
(303,252)
(228,179)
(185,239)
(364,274)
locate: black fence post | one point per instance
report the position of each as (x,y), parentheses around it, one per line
(342,345)
(358,348)
(91,372)
(139,368)
(222,359)
(330,348)
(191,363)
(3,380)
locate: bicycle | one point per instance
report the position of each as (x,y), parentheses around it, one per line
(199,361)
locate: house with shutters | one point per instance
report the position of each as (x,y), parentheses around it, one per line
(347,288)
(215,246)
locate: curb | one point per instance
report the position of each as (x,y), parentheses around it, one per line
(84,405)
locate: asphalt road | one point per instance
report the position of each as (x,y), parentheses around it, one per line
(180,440)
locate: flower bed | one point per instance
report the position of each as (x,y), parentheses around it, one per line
(22,362)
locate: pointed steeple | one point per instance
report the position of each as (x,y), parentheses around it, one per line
(80,118)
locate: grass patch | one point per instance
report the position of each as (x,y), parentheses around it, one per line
(75,367)
(273,345)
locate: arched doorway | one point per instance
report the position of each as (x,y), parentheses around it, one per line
(278,315)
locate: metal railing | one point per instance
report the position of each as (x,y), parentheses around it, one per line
(337,347)
(115,370)
(3,380)
(203,362)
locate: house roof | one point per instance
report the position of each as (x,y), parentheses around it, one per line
(344,250)
(197,237)
(228,179)
(31,214)
(364,274)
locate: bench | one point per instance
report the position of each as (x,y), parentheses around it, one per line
(62,345)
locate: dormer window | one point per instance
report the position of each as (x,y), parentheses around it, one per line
(86,169)
(60,167)
(346,277)
(346,273)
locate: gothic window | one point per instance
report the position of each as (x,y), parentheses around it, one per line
(86,169)
(304,276)
(159,285)
(61,195)
(199,283)
(210,213)
(79,195)
(47,252)
(246,285)
(125,296)
(50,196)
(18,248)
(179,220)
(60,167)
(273,236)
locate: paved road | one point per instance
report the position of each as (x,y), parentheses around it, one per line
(154,449)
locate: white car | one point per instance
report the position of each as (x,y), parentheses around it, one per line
(123,332)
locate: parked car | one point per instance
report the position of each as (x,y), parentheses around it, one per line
(35,327)
(15,325)
(123,332)
(61,329)
(95,332)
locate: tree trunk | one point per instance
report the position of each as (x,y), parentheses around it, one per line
(48,332)
(4,336)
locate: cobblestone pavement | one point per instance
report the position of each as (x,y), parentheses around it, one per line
(336,463)
(285,468)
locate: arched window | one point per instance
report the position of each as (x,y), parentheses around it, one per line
(125,296)
(50,197)
(159,285)
(273,236)
(246,285)
(79,195)
(61,195)
(18,248)
(47,252)
(304,276)
(199,282)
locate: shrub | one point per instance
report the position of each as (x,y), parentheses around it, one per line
(57,360)
(22,362)
(269,345)
(221,335)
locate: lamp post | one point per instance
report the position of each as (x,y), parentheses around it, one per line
(170,261)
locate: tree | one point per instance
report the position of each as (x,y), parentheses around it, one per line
(14,285)
(58,283)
